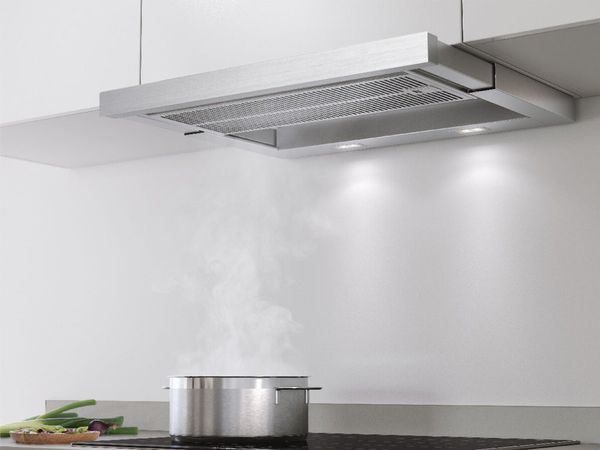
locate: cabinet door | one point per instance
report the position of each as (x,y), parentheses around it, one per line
(487,19)
(56,56)
(546,39)
(182,37)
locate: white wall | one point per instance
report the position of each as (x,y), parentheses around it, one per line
(452,272)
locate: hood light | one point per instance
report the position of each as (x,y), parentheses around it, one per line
(472,130)
(351,146)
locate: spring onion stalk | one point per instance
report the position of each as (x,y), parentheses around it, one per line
(34,424)
(58,420)
(122,430)
(65,415)
(57,423)
(68,407)
(81,421)
(45,419)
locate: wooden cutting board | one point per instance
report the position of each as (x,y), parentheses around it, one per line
(53,438)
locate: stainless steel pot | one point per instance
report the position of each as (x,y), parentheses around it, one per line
(233,408)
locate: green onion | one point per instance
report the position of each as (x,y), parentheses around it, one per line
(59,418)
(122,430)
(34,424)
(68,407)
(81,421)
(65,415)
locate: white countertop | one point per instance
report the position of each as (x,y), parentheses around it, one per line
(9,444)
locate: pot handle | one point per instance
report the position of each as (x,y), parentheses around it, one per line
(296,388)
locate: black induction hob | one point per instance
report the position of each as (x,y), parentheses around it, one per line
(330,441)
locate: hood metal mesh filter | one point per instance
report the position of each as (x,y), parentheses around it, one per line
(346,99)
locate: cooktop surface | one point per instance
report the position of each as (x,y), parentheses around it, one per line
(330,441)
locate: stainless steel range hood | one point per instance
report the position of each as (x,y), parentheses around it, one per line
(405,89)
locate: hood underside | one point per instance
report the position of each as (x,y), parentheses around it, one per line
(406,89)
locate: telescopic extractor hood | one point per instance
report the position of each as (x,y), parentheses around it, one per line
(394,91)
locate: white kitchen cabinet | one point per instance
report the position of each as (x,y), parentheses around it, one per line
(555,41)
(489,19)
(182,37)
(56,56)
